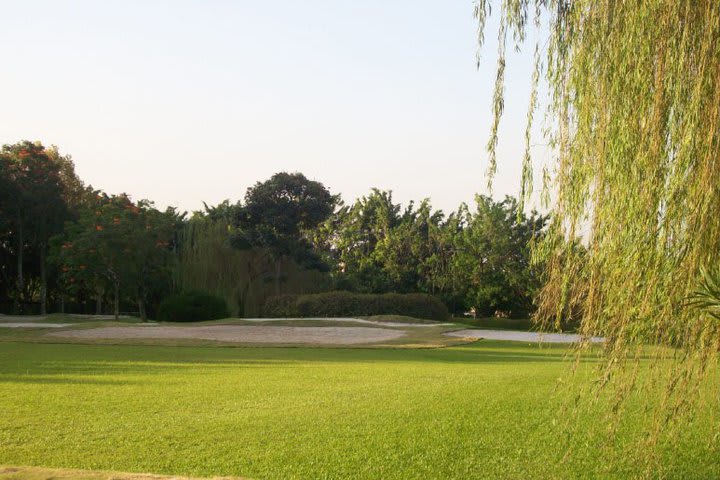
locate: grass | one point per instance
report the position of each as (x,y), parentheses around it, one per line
(484,410)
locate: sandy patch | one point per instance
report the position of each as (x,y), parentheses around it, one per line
(40,473)
(243,334)
(521,336)
(34,325)
(348,319)
(41,318)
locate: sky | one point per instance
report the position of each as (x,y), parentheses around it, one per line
(185,102)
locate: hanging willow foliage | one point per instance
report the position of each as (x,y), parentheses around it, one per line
(634,110)
(245,278)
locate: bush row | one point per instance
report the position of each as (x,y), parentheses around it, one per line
(192,307)
(346,304)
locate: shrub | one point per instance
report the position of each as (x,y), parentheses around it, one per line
(345,304)
(280,306)
(192,307)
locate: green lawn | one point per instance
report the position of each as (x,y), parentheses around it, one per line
(475,411)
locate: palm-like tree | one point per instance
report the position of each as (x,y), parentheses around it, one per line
(706,296)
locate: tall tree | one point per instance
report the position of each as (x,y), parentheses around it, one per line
(477,258)
(121,244)
(33,197)
(493,256)
(360,229)
(278,213)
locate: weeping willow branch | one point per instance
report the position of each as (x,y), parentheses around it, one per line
(634,98)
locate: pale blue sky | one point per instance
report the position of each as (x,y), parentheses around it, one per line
(190,101)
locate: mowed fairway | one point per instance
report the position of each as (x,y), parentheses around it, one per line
(474,411)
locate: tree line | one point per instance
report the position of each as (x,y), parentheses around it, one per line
(68,247)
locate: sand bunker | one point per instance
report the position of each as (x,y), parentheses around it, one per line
(521,336)
(243,334)
(34,325)
(348,319)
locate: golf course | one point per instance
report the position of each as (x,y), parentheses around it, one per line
(479,409)
(418,239)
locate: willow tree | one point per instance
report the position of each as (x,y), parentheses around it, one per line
(633,121)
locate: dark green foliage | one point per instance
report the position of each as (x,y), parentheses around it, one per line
(473,258)
(209,261)
(344,304)
(281,306)
(35,184)
(277,216)
(492,259)
(119,247)
(82,250)
(285,205)
(278,211)
(192,307)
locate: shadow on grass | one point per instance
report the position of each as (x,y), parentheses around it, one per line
(61,379)
(26,363)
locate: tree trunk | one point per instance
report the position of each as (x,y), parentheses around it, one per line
(43,281)
(116,308)
(243,298)
(141,309)
(62,303)
(98,304)
(20,278)
(278,271)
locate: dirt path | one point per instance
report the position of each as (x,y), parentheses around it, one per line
(243,334)
(521,336)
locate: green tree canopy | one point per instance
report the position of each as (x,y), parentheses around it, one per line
(118,245)
(277,216)
(37,186)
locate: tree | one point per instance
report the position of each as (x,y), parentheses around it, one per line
(493,256)
(119,244)
(405,249)
(33,197)
(635,128)
(8,244)
(278,213)
(470,259)
(150,233)
(359,230)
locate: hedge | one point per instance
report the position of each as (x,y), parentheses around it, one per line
(348,304)
(192,307)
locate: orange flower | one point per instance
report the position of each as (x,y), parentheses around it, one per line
(99,228)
